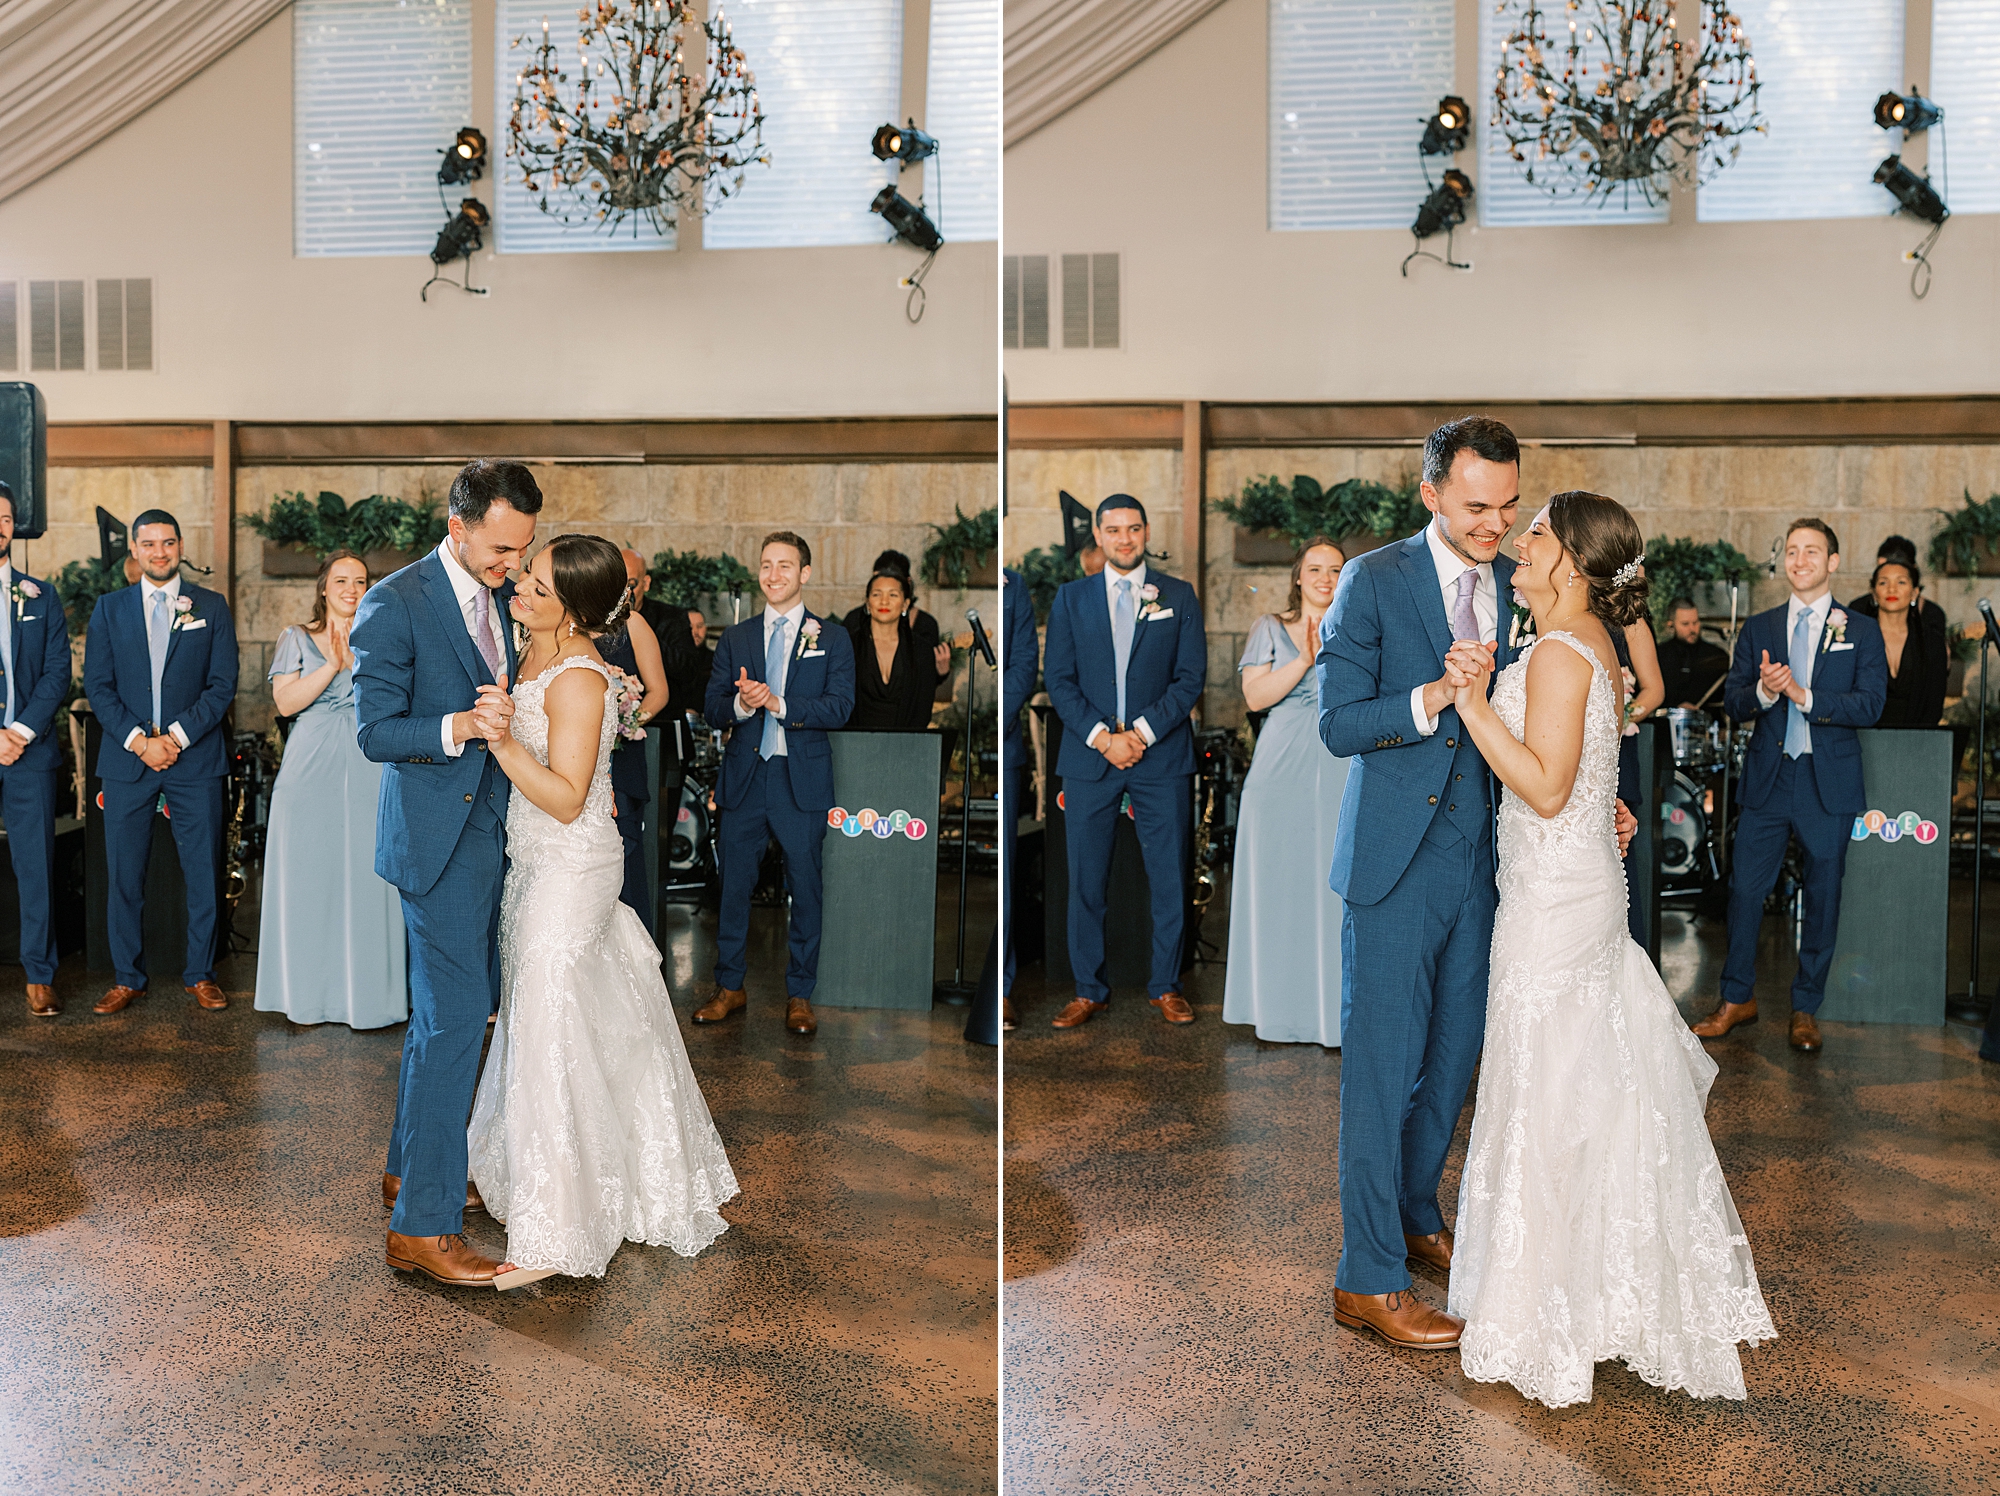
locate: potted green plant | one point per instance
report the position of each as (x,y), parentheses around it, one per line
(1274,518)
(687,579)
(387,533)
(1968,542)
(964,553)
(1689,568)
(1044,570)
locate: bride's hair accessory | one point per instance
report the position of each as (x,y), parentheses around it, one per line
(1627,574)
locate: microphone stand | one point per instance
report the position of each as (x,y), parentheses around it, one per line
(1968,1006)
(958,991)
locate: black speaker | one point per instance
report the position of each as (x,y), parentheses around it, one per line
(24,456)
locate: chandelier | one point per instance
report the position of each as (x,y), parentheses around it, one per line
(637,132)
(1601,95)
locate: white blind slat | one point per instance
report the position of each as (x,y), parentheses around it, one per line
(1351,84)
(380,87)
(520,224)
(1823,63)
(1965,81)
(962,109)
(827,76)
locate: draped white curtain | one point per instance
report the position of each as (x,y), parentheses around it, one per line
(72,71)
(1060,52)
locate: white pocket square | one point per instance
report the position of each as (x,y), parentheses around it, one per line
(1837,648)
(813,654)
(1161,613)
(198,623)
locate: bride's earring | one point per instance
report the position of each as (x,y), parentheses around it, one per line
(1572,580)
(572,626)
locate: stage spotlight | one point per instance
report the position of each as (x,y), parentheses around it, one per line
(459,238)
(907,219)
(1444,209)
(904,143)
(465,161)
(1911,112)
(1446,130)
(1914,194)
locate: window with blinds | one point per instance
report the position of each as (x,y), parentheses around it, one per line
(1823,64)
(1965,82)
(55,325)
(10,327)
(520,225)
(827,77)
(1024,301)
(1352,82)
(1502,194)
(125,324)
(379,89)
(962,109)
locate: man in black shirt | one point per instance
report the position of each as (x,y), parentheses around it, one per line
(1689,664)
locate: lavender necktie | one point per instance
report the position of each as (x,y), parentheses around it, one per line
(482,630)
(1465,622)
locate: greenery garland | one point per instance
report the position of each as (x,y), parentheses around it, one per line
(329,523)
(1303,508)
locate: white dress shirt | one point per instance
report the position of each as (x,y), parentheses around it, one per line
(1112,577)
(1485,607)
(20,730)
(1819,610)
(789,621)
(466,590)
(147,587)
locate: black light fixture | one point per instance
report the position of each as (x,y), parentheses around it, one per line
(457,240)
(1912,113)
(465,161)
(1446,130)
(909,221)
(1914,194)
(903,143)
(1444,209)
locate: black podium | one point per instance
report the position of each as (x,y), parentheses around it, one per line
(1889,952)
(878,942)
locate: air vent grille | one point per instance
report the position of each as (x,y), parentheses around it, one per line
(10,327)
(1034,301)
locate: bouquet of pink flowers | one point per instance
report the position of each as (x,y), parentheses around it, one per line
(631,697)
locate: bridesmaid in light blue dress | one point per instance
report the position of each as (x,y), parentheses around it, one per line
(331,947)
(1284,922)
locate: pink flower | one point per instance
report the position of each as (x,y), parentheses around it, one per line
(29,589)
(183,605)
(810,629)
(1149,593)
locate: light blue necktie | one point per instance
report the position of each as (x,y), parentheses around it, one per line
(1798,736)
(157,628)
(1122,623)
(774,677)
(7,643)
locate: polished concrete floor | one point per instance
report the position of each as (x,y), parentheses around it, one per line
(193,1297)
(1172,1226)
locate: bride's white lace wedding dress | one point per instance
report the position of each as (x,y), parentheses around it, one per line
(1593,1220)
(588,1129)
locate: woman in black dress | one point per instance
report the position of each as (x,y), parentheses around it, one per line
(896,657)
(1918,654)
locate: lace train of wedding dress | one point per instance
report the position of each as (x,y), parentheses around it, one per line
(588,1129)
(1593,1219)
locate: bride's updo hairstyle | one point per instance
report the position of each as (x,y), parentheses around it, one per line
(1605,546)
(590,581)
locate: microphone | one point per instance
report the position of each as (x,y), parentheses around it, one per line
(982,645)
(1992,624)
(1771,566)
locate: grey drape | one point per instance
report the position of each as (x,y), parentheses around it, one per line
(1060,52)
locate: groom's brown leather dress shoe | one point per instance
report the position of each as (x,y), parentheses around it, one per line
(1433,1251)
(727,1000)
(392,1186)
(118,999)
(444,1259)
(1805,1033)
(42,1000)
(1173,1007)
(208,995)
(799,1016)
(1079,1012)
(1399,1318)
(1725,1018)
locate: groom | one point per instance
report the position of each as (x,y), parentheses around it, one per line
(425,640)
(1413,863)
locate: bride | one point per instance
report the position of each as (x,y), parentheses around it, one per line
(588,1129)
(1593,1220)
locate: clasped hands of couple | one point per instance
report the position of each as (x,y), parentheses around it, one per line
(491,719)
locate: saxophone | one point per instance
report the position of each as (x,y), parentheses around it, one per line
(235,885)
(1204,841)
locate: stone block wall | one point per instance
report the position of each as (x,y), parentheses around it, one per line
(1746,495)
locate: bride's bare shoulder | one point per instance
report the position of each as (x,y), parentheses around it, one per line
(1566,666)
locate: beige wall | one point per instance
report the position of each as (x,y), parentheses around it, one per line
(847,512)
(1167,166)
(197,194)
(1746,495)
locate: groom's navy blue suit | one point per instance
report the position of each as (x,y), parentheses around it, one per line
(440,837)
(1413,860)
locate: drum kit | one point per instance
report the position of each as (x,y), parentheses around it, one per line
(690,861)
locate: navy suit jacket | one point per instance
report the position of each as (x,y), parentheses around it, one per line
(1163,678)
(39,663)
(414,664)
(1848,687)
(818,697)
(1018,667)
(1385,635)
(197,684)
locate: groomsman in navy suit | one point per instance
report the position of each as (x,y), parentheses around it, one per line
(1125,662)
(782,681)
(34,658)
(159,666)
(1807,674)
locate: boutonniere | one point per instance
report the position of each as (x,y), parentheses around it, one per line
(1836,628)
(808,637)
(22,591)
(183,614)
(1149,600)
